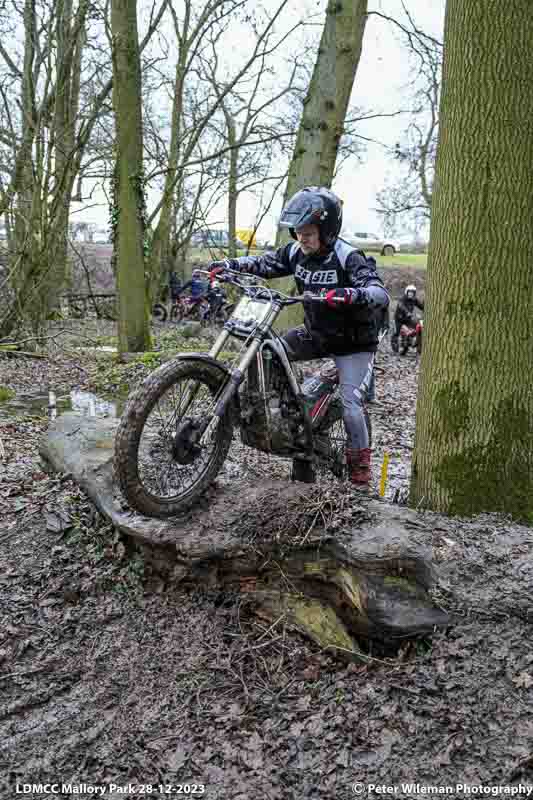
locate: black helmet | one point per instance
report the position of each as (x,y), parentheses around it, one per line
(314,205)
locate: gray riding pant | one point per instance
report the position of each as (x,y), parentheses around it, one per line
(355,374)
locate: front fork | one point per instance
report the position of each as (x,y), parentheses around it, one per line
(236,378)
(230,388)
(193,390)
(238,375)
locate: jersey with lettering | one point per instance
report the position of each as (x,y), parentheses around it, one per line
(336,331)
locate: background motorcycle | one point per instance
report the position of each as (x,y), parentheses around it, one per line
(217,311)
(187,308)
(177,427)
(410,336)
(160,312)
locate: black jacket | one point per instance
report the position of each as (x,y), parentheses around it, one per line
(405,311)
(336,331)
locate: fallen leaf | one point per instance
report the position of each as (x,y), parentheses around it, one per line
(524,680)
(311,673)
(57,523)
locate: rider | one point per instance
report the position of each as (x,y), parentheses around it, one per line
(198,286)
(174,284)
(215,297)
(405,312)
(344,327)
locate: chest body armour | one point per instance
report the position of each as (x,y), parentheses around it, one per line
(334,330)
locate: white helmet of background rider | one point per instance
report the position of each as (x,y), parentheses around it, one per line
(410,292)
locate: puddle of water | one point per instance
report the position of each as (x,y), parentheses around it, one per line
(85,403)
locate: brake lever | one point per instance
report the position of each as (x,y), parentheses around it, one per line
(321,298)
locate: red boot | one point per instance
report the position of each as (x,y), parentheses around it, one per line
(359,466)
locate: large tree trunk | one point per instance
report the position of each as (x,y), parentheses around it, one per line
(64,132)
(133,328)
(24,262)
(474,436)
(328,95)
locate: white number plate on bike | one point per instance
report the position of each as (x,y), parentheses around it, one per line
(249,311)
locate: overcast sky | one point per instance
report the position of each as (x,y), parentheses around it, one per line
(381,84)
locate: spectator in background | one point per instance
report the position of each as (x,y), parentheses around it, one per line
(198,286)
(405,313)
(174,284)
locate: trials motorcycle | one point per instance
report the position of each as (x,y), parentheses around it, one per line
(177,427)
(409,336)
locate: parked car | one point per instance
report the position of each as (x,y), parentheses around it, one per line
(100,237)
(370,241)
(265,244)
(213,238)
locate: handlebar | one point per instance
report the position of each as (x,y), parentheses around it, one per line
(254,286)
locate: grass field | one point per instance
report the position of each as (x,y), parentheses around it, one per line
(205,255)
(402,260)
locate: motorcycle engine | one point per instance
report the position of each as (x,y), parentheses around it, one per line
(280,435)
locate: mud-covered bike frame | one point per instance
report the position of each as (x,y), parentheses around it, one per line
(261,394)
(263,338)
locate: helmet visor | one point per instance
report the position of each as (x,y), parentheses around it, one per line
(301,212)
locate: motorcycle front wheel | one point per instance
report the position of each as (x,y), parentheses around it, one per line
(177,313)
(162,463)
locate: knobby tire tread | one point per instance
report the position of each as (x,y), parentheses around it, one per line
(130,430)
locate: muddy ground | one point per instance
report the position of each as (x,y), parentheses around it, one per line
(110,677)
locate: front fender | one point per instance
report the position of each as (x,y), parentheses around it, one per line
(225,372)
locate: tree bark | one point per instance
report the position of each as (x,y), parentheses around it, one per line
(328,95)
(133,328)
(474,435)
(233,193)
(66,97)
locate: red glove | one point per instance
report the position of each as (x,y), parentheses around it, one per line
(216,268)
(339,297)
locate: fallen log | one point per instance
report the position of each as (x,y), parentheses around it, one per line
(12,350)
(370,581)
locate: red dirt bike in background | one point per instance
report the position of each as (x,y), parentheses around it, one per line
(182,308)
(191,309)
(411,336)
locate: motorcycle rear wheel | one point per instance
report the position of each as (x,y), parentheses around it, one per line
(159,312)
(333,429)
(160,467)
